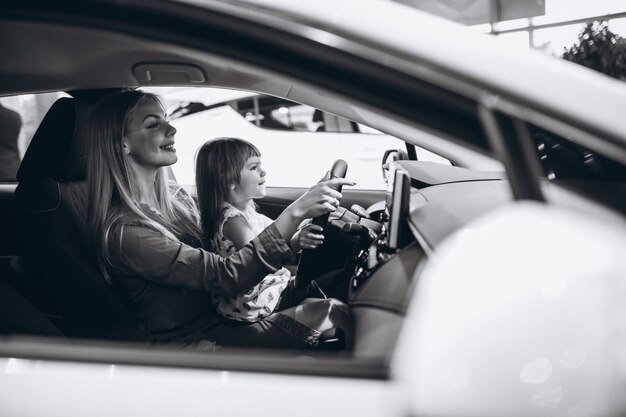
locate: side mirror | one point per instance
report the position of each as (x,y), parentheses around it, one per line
(392,155)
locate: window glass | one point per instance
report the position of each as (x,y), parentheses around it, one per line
(19,118)
(563,159)
(298,143)
(582,170)
(276,113)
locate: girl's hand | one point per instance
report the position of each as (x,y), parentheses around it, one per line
(307,237)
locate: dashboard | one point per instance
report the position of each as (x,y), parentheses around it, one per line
(424,203)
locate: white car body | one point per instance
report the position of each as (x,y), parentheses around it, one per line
(476,341)
(481,342)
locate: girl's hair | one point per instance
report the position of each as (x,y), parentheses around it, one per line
(218,166)
(113,188)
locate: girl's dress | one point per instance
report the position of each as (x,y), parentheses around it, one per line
(260,300)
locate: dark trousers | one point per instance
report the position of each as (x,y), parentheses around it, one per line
(297,327)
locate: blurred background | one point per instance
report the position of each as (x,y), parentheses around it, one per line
(546,25)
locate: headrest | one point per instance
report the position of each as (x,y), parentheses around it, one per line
(58,150)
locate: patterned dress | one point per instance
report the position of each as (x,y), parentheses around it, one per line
(259,301)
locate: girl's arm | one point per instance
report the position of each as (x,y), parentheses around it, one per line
(309,236)
(238,231)
(319,199)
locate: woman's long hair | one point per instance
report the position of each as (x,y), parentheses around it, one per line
(218,166)
(113,191)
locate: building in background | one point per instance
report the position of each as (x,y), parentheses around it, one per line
(546,25)
(473,12)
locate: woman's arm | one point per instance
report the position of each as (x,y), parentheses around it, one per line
(144,252)
(140,251)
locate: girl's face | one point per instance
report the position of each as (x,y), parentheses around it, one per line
(148,137)
(252,182)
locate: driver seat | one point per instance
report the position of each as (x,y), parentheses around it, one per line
(50,210)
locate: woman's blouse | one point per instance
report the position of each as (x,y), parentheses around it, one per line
(165,282)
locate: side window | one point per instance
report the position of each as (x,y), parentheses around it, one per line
(580,169)
(298,143)
(276,113)
(19,118)
(562,159)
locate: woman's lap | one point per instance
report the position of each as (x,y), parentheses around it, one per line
(296,327)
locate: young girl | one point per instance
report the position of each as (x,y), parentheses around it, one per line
(229,177)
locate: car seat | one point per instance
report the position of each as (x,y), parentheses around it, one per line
(318,119)
(19,317)
(50,207)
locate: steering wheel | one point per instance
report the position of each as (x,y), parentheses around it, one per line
(310,258)
(338,170)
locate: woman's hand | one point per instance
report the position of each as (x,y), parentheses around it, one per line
(320,199)
(307,237)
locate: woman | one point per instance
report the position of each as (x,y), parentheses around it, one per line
(145,234)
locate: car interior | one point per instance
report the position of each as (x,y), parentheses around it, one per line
(50,286)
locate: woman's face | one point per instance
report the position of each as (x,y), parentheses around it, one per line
(148,136)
